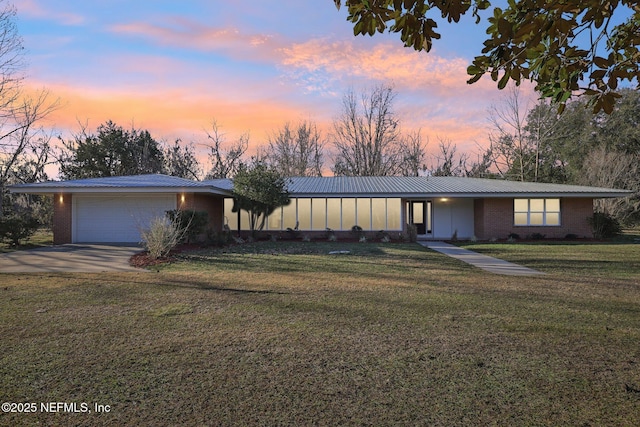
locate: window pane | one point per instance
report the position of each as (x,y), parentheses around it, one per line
(520,218)
(319,215)
(553,205)
(348,213)
(244,220)
(230,218)
(520,205)
(536,218)
(418,213)
(289,215)
(553,218)
(537,205)
(304,214)
(394,207)
(364,213)
(379,214)
(333,214)
(275,220)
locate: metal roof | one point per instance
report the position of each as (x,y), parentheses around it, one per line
(154,183)
(397,186)
(392,186)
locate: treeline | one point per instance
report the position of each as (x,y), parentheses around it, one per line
(366,139)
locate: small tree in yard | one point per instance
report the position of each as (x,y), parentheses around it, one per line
(259,189)
(15,227)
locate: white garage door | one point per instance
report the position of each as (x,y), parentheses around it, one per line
(116,218)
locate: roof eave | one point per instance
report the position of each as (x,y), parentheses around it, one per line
(119,190)
(470,195)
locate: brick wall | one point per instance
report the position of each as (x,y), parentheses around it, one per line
(493,218)
(213,205)
(62,209)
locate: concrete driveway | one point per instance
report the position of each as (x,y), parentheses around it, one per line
(75,258)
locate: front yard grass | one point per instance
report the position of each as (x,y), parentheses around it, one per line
(285,334)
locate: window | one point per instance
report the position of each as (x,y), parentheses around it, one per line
(363,207)
(304,214)
(394,213)
(536,212)
(318,214)
(333,214)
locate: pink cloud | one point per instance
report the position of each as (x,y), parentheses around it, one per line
(35,9)
(190,34)
(407,69)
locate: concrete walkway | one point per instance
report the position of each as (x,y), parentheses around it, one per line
(76,258)
(485,262)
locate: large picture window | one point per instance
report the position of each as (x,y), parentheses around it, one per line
(536,212)
(319,213)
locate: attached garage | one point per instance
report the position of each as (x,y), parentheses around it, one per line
(115,217)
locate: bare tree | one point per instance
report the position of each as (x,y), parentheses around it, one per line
(508,139)
(11,59)
(24,146)
(296,150)
(367,135)
(481,167)
(447,162)
(614,169)
(413,154)
(180,160)
(224,161)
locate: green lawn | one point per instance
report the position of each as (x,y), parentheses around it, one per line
(285,334)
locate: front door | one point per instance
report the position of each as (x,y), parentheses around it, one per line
(420,216)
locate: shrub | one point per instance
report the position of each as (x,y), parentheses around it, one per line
(14,228)
(220,238)
(571,236)
(604,225)
(192,222)
(356,230)
(537,236)
(161,236)
(383,236)
(514,236)
(412,233)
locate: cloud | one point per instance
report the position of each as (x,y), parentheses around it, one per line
(189,34)
(329,61)
(168,114)
(33,8)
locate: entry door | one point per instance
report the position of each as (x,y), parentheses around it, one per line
(420,216)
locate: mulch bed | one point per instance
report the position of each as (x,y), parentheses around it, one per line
(143,260)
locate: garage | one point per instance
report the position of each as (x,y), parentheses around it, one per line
(116,218)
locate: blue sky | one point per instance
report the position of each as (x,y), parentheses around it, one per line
(173,67)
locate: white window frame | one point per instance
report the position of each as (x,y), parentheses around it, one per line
(544,212)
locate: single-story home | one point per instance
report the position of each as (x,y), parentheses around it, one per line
(115,209)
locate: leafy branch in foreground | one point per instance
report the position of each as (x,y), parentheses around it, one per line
(582,47)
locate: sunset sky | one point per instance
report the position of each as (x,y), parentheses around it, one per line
(172,67)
